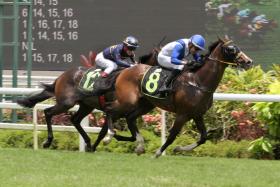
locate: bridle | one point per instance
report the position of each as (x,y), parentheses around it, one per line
(226,62)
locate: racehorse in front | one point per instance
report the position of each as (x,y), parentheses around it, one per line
(192,92)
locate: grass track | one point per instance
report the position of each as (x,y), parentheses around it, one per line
(25,167)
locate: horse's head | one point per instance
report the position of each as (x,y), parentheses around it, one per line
(273,24)
(225,51)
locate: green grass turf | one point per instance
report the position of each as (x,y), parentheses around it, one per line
(25,167)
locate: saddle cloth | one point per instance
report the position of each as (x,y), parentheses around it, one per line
(93,82)
(153,80)
(89,79)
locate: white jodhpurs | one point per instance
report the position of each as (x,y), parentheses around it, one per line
(165,61)
(109,65)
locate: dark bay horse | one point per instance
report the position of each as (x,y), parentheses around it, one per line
(66,93)
(192,95)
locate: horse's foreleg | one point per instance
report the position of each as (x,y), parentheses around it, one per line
(110,131)
(174,131)
(76,119)
(49,113)
(135,136)
(203,136)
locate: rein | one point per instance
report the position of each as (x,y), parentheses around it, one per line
(221,61)
(217,60)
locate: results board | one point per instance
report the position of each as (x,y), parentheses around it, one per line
(65,29)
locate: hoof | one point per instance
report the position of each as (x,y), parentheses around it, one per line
(189,147)
(177,149)
(88,149)
(93,149)
(140,150)
(158,154)
(107,140)
(46,144)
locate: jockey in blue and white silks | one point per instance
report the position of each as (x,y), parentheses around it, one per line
(173,55)
(117,55)
(260,19)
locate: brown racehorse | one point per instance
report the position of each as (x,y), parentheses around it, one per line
(192,95)
(66,93)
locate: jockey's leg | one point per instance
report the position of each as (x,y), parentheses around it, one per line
(167,86)
(107,64)
(165,61)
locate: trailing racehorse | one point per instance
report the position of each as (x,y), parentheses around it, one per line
(67,93)
(192,95)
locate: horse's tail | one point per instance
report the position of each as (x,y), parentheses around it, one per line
(48,87)
(31,101)
(90,61)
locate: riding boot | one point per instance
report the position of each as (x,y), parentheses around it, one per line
(167,87)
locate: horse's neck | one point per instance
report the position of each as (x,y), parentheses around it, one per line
(210,75)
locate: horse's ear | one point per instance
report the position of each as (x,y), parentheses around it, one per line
(227,37)
(220,39)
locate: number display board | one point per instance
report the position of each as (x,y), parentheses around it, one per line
(65,29)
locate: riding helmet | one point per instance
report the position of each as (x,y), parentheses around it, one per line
(198,41)
(131,42)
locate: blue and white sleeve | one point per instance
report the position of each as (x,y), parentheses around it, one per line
(176,53)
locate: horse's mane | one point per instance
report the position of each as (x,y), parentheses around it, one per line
(144,58)
(195,66)
(212,47)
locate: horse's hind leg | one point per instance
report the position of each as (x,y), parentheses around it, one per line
(49,113)
(101,135)
(144,107)
(76,119)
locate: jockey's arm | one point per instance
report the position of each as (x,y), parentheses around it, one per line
(121,62)
(132,58)
(118,60)
(176,52)
(197,57)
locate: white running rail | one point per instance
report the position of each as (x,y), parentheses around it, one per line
(36,127)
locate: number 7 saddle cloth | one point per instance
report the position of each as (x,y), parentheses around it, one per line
(89,79)
(93,82)
(153,79)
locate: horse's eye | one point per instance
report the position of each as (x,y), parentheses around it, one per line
(231,49)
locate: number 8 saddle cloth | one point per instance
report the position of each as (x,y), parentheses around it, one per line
(154,78)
